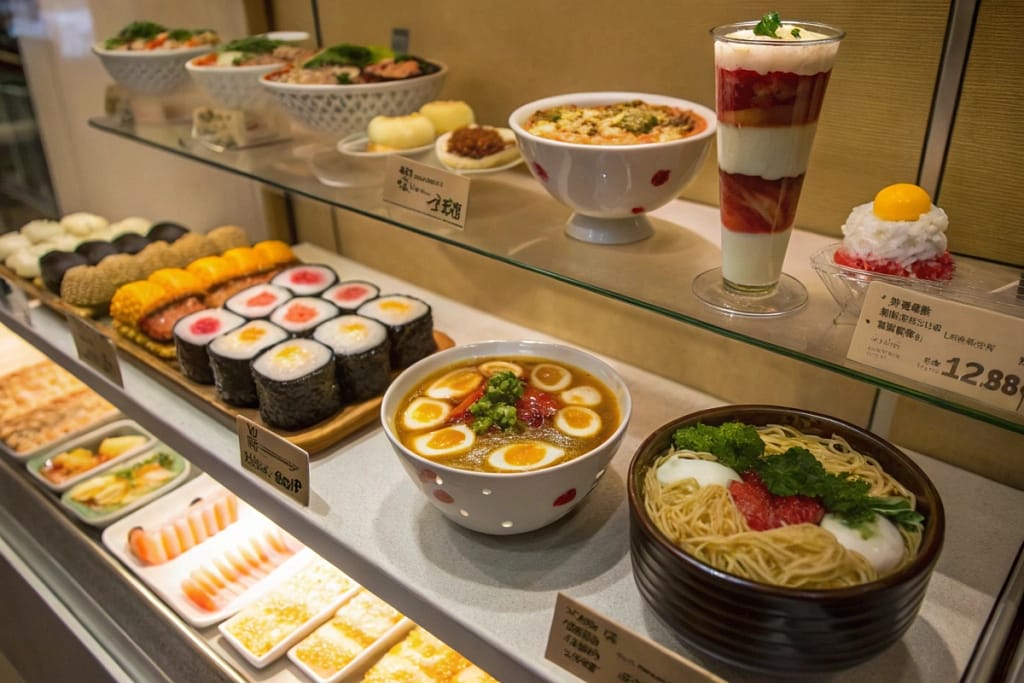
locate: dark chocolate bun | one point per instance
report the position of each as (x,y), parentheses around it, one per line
(166,232)
(53,265)
(130,243)
(96,250)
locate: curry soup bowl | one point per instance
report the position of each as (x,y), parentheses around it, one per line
(769,628)
(504,503)
(609,187)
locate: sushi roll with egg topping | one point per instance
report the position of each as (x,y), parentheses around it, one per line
(361,355)
(349,296)
(410,326)
(231,357)
(306,280)
(301,315)
(192,337)
(296,385)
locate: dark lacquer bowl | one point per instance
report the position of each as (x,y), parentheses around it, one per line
(770,628)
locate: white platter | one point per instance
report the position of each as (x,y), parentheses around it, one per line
(165,579)
(355,146)
(361,662)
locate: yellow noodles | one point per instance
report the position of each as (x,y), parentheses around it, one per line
(705,523)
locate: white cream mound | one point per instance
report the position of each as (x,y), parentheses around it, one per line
(770,153)
(867,236)
(505,156)
(801,55)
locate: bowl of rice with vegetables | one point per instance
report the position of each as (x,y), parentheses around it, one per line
(147,58)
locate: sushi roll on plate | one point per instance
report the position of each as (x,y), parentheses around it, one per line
(192,337)
(361,355)
(301,315)
(296,384)
(231,357)
(410,326)
(307,279)
(350,295)
(257,301)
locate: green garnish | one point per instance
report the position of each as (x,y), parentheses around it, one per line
(137,30)
(343,78)
(769,25)
(637,121)
(348,55)
(497,406)
(181,34)
(796,472)
(795,32)
(259,45)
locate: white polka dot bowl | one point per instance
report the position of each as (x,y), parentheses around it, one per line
(612,187)
(495,502)
(345,109)
(150,72)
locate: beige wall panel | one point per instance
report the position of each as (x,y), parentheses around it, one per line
(984,173)
(504,54)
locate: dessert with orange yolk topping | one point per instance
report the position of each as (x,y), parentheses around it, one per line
(900,233)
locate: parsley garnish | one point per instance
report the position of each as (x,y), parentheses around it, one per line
(497,407)
(795,32)
(769,25)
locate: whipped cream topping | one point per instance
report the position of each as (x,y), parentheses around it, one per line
(806,55)
(867,236)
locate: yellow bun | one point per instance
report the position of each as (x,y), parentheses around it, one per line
(447,115)
(399,132)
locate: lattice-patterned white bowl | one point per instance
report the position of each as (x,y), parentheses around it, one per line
(345,109)
(150,72)
(234,87)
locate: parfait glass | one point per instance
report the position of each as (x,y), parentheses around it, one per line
(768,94)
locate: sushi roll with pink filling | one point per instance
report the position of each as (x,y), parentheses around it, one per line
(296,384)
(301,315)
(306,280)
(257,301)
(192,337)
(361,355)
(350,295)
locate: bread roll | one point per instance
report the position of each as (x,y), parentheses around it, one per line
(387,133)
(447,115)
(502,147)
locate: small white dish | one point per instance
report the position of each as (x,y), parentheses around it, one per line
(59,442)
(355,146)
(362,661)
(442,141)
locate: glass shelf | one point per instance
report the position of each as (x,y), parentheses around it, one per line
(511,219)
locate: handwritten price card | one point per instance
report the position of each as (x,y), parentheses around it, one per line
(281,463)
(598,650)
(427,190)
(946,344)
(95,349)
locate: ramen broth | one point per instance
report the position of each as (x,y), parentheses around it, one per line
(564,412)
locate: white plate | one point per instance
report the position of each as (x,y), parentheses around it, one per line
(443,140)
(57,443)
(355,146)
(361,662)
(165,579)
(292,638)
(90,440)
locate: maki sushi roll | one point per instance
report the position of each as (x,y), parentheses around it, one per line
(192,337)
(350,295)
(257,301)
(301,315)
(53,265)
(231,357)
(306,280)
(362,359)
(410,326)
(296,385)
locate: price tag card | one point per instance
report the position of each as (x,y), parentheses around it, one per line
(427,190)
(598,650)
(95,349)
(946,344)
(284,465)
(14,302)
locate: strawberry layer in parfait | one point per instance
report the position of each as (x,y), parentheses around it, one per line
(770,80)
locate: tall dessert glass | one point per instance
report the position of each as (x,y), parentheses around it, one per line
(770,81)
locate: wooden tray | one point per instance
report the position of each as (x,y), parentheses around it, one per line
(313,439)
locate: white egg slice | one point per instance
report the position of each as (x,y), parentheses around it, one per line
(550,377)
(582,395)
(577,421)
(425,413)
(446,441)
(878,541)
(455,384)
(524,456)
(705,472)
(495,366)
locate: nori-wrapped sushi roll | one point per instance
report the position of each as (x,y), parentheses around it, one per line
(296,384)
(53,265)
(350,295)
(301,315)
(361,355)
(192,337)
(257,301)
(307,279)
(409,323)
(166,232)
(130,243)
(231,357)
(96,250)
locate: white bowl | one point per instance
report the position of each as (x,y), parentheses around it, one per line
(150,72)
(233,87)
(346,109)
(510,503)
(611,188)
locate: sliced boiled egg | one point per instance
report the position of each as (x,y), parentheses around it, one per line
(523,456)
(577,421)
(705,472)
(425,413)
(550,377)
(446,441)
(455,384)
(879,541)
(582,395)
(492,367)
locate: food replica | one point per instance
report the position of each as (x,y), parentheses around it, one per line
(148,35)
